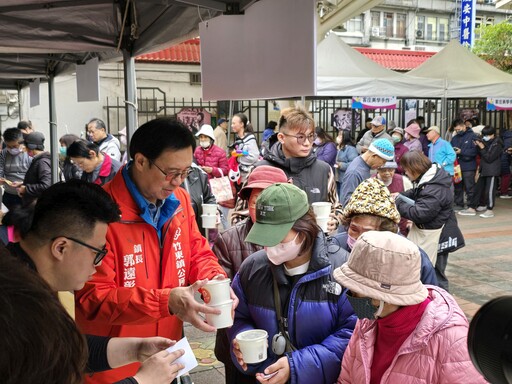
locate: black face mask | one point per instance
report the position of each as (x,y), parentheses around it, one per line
(363,307)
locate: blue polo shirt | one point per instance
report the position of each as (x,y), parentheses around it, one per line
(155,215)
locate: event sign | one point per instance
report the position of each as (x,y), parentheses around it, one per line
(499,103)
(371,102)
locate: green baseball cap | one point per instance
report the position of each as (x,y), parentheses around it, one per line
(278,207)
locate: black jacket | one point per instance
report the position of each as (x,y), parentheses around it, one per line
(308,173)
(196,184)
(433,199)
(38,177)
(490,157)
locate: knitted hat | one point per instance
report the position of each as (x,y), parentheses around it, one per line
(434,128)
(413,130)
(384,266)
(372,197)
(383,148)
(378,121)
(262,177)
(277,209)
(206,130)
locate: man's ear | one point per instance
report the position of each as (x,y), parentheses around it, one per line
(92,154)
(59,247)
(280,137)
(139,161)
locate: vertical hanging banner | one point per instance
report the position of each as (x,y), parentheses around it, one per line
(467,23)
(376,102)
(88,81)
(34,93)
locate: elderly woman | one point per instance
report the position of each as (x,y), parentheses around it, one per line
(97,167)
(287,289)
(407,332)
(429,206)
(211,158)
(371,208)
(395,183)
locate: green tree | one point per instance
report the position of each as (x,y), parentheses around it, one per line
(495,45)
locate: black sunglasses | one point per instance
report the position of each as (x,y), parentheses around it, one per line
(100,253)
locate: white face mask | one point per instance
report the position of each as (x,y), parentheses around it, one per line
(283,252)
(204,143)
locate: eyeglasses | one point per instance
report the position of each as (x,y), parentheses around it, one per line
(173,175)
(302,138)
(100,253)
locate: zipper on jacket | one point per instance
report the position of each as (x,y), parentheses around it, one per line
(164,234)
(304,279)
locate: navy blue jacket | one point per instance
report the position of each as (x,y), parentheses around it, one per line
(320,318)
(468,150)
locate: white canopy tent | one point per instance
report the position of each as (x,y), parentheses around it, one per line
(464,74)
(343,71)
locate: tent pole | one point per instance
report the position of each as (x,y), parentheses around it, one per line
(230,117)
(130,96)
(444,116)
(54,149)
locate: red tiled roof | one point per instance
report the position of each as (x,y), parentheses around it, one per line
(397,60)
(188,52)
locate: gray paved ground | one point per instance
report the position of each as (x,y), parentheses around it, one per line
(477,273)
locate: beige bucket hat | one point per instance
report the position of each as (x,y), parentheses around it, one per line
(384,266)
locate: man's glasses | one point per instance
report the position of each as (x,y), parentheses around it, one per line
(100,253)
(173,174)
(302,138)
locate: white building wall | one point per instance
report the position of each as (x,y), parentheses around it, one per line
(72,116)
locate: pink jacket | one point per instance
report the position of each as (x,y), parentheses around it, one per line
(214,157)
(435,353)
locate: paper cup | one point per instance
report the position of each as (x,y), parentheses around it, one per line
(322,223)
(209,209)
(225,319)
(216,292)
(321,209)
(253,345)
(209,221)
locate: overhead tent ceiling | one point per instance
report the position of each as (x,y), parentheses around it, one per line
(38,37)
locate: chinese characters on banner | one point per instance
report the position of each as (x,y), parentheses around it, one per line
(499,104)
(374,102)
(467,23)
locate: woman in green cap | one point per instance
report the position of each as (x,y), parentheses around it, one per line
(288,290)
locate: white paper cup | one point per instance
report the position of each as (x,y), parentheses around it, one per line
(322,223)
(209,209)
(322,208)
(225,319)
(209,221)
(253,345)
(216,292)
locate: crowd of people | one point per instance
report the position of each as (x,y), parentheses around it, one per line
(363,300)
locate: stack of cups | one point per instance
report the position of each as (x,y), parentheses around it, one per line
(209,216)
(322,210)
(216,294)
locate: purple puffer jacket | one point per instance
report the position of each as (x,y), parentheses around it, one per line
(327,152)
(214,157)
(436,352)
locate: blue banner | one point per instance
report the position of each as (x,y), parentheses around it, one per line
(467,23)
